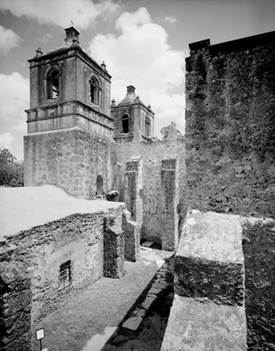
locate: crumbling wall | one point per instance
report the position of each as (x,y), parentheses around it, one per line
(151,155)
(259,259)
(42,250)
(15,307)
(77,238)
(69,159)
(230,126)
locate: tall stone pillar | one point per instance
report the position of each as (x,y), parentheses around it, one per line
(113,247)
(133,185)
(169,201)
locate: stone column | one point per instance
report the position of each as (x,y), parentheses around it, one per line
(113,248)
(131,236)
(133,186)
(169,201)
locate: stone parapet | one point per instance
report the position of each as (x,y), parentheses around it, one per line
(204,326)
(208,312)
(209,263)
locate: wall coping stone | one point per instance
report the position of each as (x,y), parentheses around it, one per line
(212,236)
(204,326)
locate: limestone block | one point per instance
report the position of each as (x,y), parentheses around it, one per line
(132,323)
(204,326)
(209,263)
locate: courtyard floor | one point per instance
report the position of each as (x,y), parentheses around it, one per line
(124,314)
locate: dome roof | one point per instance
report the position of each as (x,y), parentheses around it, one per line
(130,97)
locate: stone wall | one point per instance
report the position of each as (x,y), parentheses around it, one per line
(70,159)
(78,238)
(208,311)
(151,155)
(15,307)
(259,259)
(230,126)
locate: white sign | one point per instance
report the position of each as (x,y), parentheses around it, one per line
(40,334)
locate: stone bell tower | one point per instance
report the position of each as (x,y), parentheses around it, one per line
(69,123)
(133,119)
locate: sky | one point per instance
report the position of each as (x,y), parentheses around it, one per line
(142,42)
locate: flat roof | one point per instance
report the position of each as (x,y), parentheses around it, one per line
(26,207)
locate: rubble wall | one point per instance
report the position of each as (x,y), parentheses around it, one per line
(76,238)
(69,159)
(230,126)
(259,258)
(15,307)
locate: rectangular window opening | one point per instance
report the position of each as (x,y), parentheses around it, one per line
(65,275)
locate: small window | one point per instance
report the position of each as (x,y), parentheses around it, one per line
(95,91)
(147,126)
(125,124)
(53,88)
(65,276)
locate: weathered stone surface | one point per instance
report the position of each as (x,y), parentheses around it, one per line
(113,247)
(148,302)
(15,307)
(43,248)
(133,185)
(259,258)
(204,326)
(131,231)
(152,154)
(230,155)
(154,291)
(169,215)
(209,260)
(132,323)
(59,157)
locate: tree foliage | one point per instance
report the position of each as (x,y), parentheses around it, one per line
(11,170)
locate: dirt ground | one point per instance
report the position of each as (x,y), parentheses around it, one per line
(81,323)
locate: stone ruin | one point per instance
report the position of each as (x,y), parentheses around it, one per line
(210,196)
